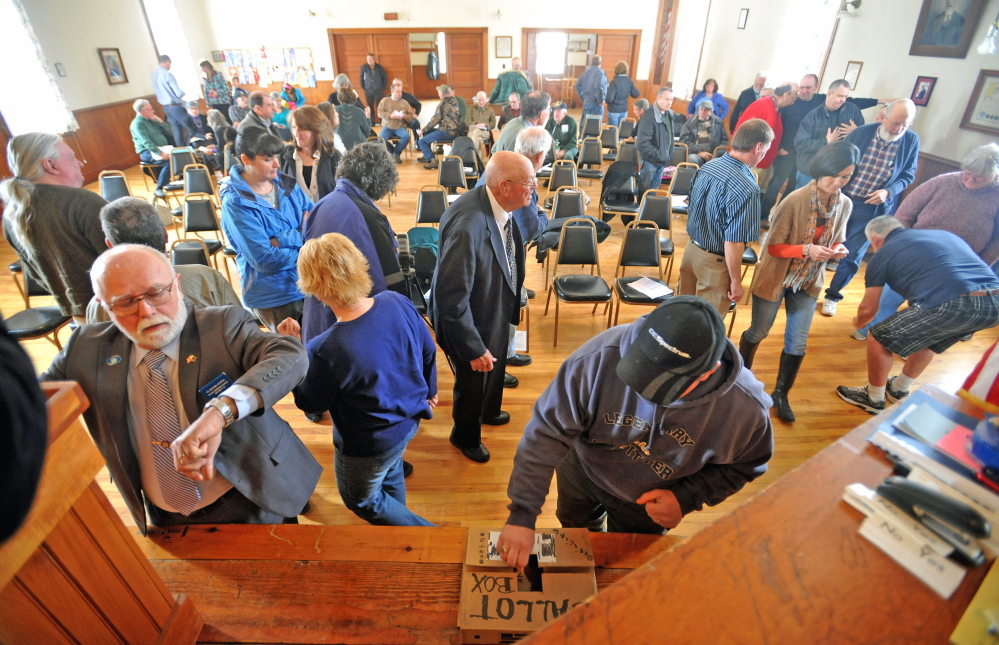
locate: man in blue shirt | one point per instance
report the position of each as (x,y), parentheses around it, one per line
(723,215)
(171,97)
(951,293)
(592,89)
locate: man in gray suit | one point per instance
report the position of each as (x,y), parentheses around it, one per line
(198,386)
(475,294)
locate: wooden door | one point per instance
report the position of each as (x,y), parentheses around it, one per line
(392,52)
(350,51)
(617,47)
(465,64)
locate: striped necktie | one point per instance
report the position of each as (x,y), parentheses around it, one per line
(164,426)
(511,255)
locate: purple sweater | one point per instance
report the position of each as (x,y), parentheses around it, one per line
(703,448)
(943,203)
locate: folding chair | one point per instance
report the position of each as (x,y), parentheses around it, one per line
(431,202)
(656,208)
(590,126)
(113,185)
(451,175)
(200,217)
(626,129)
(640,248)
(621,200)
(628,151)
(577,246)
(608,140)
(589,161)
(563,174)
(679,186)
(36,322)
(679,153)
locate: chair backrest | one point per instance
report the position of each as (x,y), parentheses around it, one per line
(679,153)
(719,151)
(591,154)
(640,247)
(197,179)
(563,174)
(682,178)
(628,151)
(180,158)
(431,202)
(591,126)
(451,173)
(656,207)
(568,203)
(578,243)
(189,252)
(608,137)
(113,185)
(626,128)
(199,214)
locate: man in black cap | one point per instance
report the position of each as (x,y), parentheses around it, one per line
(643,424)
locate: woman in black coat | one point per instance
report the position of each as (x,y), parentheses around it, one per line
(312,160)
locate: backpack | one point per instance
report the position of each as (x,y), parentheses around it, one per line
(423,242)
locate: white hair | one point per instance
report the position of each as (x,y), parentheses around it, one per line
(533,141)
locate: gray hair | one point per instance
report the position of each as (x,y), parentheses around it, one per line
(641,104)
(275,96)
(534,103)
(663,90)
(340,80)
(139,105)
(25,155)
(513,95)
(838,83)
(130,220)
(369,167)
(909,106)
(533,141)
(783,89)
(983,162)
(216,119)
(881,226)
(191,104)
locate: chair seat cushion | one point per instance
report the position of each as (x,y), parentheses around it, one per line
(679,208)
(620,205)
(35,322)
(214,246)
(587,173)
(749,256)
(666,246)
(632,297)
(229,252)
(610,156)
(582,288)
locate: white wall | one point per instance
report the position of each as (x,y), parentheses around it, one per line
(244,26)
(71,31)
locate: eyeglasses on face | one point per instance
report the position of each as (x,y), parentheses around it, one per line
(532,184)
(127,306)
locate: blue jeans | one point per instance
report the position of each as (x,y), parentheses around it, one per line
(374,487)
(857,243)
(180,120)
(162,164)
(615,118)
(891,301)
(431,137)
(402,133)
(800,308)
(592,108)
(650,177)
(801,180)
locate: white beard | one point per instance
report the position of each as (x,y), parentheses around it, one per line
(162,337)
(887,136)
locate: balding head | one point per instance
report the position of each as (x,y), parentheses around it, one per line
(121,260)
(481,98)
(899,115)
(510,178)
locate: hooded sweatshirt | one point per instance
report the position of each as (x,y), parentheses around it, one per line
(704,447)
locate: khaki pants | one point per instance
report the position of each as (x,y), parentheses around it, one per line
(705,275)
(763,177)
(478,137)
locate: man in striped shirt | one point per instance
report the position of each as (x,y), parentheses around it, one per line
(723,215)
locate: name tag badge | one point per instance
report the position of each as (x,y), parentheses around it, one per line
(565,127)
(215,387)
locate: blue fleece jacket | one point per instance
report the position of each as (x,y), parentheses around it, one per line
(267,273)
(703,448)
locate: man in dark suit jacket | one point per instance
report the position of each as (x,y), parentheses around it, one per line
(746,98)
(475,294)
(227,374)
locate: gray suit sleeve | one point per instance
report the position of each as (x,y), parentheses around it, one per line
(274,364)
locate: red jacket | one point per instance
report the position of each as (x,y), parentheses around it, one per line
(765,108)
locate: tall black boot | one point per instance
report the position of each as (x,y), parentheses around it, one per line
(789,364)
(747,350)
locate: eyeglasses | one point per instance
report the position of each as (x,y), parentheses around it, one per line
(532,184)
(128,306)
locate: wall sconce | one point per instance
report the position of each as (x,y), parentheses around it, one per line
(849,8)
(498,16)
(988,45)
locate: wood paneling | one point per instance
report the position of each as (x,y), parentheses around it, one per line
(425,88)
(465,62)
(929,167)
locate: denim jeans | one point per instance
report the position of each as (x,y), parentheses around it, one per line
(163,164)
(891,301)
(784,170)
(180,120)
(800,308)
(374,488)
(436,135)
(857,243)
(615,118)
(591,108)
(651,176)
(402,133)
(801,180)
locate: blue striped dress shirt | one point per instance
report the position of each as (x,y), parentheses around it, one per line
(724,205)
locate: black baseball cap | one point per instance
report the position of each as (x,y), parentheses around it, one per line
(682,339)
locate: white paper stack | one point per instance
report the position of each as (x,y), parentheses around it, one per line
(651,288)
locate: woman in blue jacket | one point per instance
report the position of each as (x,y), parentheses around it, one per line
(709,91)
(262,215)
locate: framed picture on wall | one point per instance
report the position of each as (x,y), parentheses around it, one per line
(504,46)
(852,73)
(922,90)
(114,69)
(982,113)
(945,28)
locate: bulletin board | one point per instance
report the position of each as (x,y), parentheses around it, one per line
(267,65)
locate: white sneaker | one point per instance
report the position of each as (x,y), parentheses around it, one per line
(828,307)
(858,334)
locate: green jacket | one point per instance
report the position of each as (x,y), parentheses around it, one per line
(507,83)
(150,135)
(565,137)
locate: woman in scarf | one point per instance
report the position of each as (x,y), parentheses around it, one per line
(807,230)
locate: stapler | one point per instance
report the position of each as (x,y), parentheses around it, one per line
(955,522)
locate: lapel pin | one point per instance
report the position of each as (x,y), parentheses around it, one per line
(114,360)
(192,359)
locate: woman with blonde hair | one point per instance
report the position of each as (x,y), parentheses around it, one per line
(374,370)
(313,160)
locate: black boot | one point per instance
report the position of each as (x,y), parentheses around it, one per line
(747,350)
(789,364)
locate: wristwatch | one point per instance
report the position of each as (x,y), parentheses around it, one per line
(222,407)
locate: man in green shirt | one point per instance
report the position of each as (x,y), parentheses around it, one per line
(563,129)
(150,134)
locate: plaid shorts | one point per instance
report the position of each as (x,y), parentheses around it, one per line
(937,328)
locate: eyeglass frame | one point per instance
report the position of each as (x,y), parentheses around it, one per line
(532,185)
(155,292)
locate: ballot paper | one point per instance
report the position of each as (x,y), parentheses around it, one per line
(651,288)
(544,547)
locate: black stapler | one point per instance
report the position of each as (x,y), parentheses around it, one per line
(955,522)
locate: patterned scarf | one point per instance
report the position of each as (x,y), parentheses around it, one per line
(803,270)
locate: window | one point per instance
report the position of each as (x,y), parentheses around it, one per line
(442,52)
(802,39)
(687,47)
(551,52)
(170,39)
(46,111)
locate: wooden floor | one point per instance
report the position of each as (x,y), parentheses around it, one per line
(450,490)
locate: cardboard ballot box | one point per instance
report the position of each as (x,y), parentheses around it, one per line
(500,605)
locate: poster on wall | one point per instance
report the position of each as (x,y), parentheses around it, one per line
(267,65)
(945,28)
(982,113)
